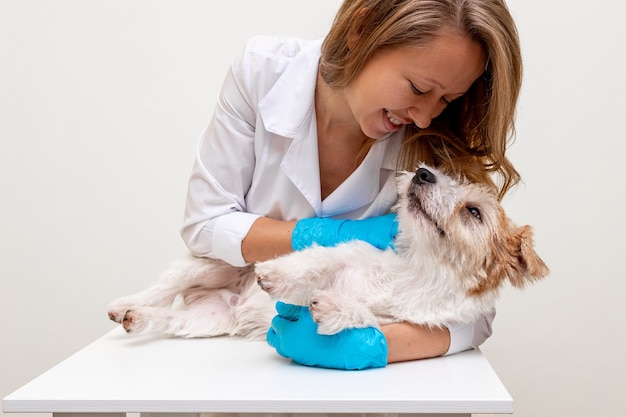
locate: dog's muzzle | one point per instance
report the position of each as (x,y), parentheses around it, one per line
(424,176)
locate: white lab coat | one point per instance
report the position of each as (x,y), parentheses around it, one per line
(258,157)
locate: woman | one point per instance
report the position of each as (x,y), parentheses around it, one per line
(308,134)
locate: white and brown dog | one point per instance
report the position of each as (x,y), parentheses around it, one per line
(454,251)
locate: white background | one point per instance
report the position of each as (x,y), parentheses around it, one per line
(101,105)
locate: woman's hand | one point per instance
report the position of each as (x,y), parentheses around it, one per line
(293,334)
(378,231)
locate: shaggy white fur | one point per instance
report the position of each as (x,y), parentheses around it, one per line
(454,251)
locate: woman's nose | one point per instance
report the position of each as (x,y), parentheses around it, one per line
(419,117)
(423,114)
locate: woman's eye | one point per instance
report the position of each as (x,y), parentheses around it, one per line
(475,212)
(416,90)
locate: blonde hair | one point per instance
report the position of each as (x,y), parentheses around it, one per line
(471,136)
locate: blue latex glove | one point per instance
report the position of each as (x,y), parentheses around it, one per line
(378,231)
(293,334)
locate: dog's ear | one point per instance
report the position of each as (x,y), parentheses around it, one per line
(530,266)
(513,257)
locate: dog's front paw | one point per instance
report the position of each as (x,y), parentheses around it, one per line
(326,312)
(271,278)
(334,312)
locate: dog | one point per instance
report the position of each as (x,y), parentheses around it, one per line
(454,251)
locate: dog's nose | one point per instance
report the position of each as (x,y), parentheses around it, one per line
(423,176)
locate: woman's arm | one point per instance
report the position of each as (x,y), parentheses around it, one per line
(216,214)
(267,239)
(293,334)
(407,341)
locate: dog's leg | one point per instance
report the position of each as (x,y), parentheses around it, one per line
(293,277)
(158,296)
(184,275)
(339,283)
(207,314)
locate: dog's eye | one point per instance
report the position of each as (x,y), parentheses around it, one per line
(475,212)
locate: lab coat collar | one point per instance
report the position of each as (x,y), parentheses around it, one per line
(364,184)
(360,189)
(289,104)
(288,111)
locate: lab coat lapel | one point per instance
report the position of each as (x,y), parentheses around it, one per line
(367,181)
(301,166)
(289,103)
(288,111)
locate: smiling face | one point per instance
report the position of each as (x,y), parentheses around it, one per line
(404,85)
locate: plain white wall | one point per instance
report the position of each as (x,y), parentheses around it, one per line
(101,105)
(558,347)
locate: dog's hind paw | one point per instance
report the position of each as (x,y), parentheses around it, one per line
(118,308)
(133,322)
(114,317)
(117,315)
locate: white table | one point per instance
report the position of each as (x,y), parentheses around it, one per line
(119,373)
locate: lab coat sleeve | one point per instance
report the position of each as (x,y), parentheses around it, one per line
(216,219)
(464,336)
